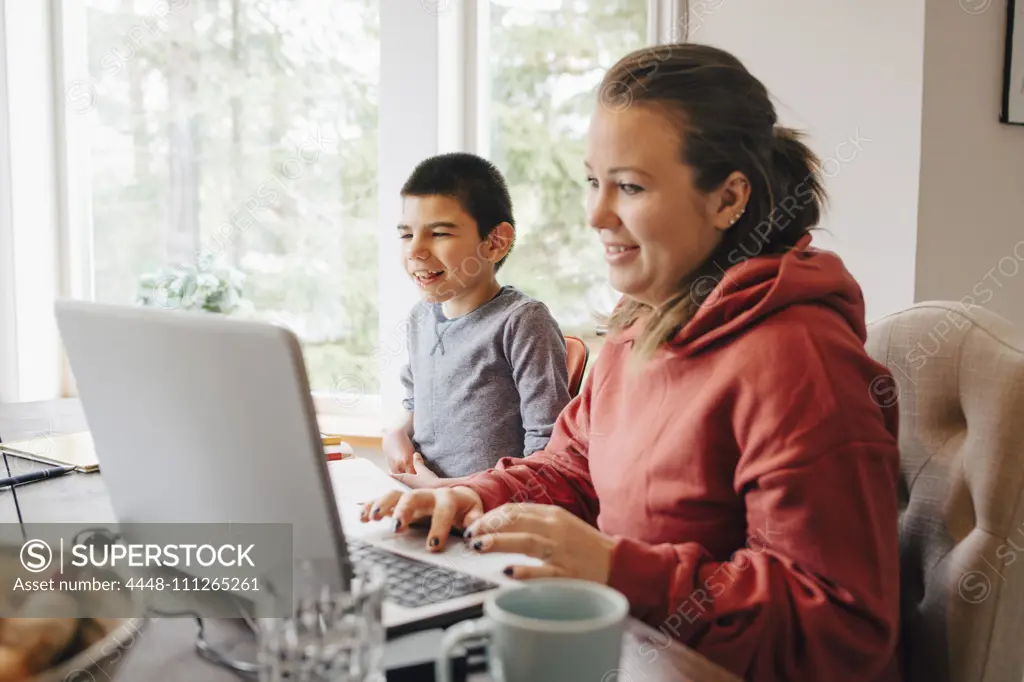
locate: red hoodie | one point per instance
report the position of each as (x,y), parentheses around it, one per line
(747,474)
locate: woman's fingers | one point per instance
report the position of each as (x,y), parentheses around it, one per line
(511,518)
(515,543)
(532,572)
(404,506)
(411,506)
(445,508)
(375,510)
(472,516)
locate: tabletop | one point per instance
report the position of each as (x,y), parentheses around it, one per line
(164,650)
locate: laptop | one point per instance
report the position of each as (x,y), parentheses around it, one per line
(199,418)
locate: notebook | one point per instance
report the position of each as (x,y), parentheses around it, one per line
(73,449)
(335,448)
(77,450)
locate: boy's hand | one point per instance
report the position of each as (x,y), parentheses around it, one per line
(422,476)
(459,506)
(399,450)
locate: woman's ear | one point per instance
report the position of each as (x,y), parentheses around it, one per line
(729,201)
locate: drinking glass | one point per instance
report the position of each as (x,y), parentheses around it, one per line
(333,635)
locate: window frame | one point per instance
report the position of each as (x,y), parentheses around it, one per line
(9,373)
(435,55)
(30,354)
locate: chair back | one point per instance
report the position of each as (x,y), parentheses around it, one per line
(576,355)
(959,384)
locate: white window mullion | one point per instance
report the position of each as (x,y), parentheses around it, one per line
(480,77)
(75,96)
(464,78)
(408,133)
(455,119)
(668,21)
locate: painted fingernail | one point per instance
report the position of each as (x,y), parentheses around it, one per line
(376,510)
(396,525)
(508,571)
(468,534)
(478,545)
(434,542)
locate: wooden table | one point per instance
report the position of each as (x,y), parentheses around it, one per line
(165,649)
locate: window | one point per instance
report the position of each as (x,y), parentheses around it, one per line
(546,59)
(241,132)
(272,137)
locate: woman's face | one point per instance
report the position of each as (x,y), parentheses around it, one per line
(654,225)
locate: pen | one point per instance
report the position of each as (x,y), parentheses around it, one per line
(20,479)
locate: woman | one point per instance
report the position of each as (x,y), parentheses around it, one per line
(724,465)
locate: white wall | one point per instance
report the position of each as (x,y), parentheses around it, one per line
(843,70)
(972,166)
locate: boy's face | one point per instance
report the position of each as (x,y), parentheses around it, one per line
(441,248)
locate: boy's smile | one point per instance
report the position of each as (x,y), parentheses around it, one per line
(427,277)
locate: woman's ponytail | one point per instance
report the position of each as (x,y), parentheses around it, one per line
(798,195)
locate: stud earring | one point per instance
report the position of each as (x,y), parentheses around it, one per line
(735,218)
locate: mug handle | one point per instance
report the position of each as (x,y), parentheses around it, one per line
(454,636)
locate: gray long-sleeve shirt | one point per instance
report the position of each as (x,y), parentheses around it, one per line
(486,385)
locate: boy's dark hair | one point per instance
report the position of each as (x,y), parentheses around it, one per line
(472,181)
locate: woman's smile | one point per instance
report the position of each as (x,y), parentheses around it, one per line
(620,254)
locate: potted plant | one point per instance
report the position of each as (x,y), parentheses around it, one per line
(206,284)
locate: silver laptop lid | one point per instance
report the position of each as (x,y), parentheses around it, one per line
(198,418)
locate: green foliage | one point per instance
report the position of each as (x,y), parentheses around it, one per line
(205,285)
(546,65)
(243,131)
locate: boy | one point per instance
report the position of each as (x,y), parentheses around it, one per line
(487,374)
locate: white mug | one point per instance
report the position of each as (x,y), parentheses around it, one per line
(554,629)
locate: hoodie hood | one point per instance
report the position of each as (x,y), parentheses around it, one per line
(756,288)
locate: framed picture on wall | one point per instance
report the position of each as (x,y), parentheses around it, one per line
(1013,70)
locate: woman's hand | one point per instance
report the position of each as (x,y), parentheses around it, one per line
(447,507)
(568,545)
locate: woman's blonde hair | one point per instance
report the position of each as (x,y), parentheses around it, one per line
(726,123)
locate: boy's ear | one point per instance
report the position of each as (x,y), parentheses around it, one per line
(499,241)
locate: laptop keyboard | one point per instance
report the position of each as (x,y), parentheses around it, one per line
(412,583)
